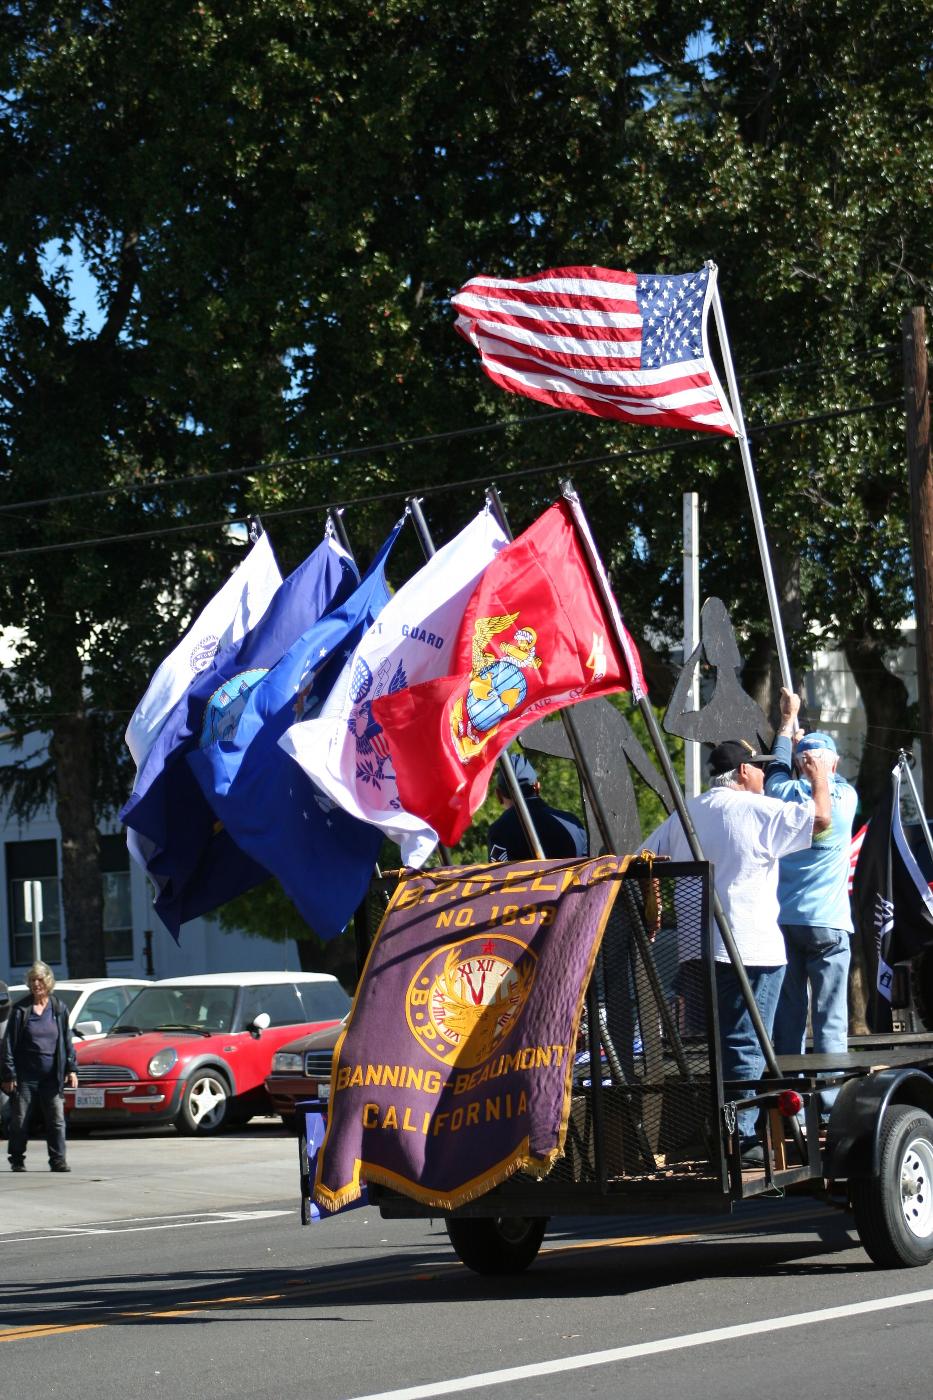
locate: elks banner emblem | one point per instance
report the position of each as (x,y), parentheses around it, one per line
(456,1066)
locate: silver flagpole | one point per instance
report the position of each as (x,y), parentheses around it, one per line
(601,580)
(746,455)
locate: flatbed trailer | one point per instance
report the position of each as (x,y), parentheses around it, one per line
(654,1132)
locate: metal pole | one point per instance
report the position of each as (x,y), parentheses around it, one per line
(427,544)
(32,908)
(905,768)
(677,797)
(505,766)
(692,631)
(752,491)
(335,518)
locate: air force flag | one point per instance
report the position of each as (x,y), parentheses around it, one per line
(410,641)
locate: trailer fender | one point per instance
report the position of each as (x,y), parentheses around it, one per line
(853,1143)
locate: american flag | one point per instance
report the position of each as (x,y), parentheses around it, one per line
(854,848)
(614,344)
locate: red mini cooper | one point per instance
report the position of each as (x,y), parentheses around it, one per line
(195,1051)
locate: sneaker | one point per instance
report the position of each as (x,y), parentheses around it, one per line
(59,1167)
(17,1166)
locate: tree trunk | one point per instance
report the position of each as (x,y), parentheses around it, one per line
(887,713)
(72,753)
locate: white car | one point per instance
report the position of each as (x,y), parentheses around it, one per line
(94,1003)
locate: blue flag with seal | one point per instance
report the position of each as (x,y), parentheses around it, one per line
(172,830)
(322,856)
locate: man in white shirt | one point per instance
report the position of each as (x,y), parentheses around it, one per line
(744,834)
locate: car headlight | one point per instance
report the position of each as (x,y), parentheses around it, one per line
(284,1062)
(162,1062)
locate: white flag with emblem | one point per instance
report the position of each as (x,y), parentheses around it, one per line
(342,747)
(231,613)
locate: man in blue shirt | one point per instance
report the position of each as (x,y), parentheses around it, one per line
(813,891)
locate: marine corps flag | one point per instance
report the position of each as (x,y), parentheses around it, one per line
(892,902)
(456,1067)
(534,637)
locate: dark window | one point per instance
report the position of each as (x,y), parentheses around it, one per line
(27,862)
(323,1001)
(281,1001)
(115,891)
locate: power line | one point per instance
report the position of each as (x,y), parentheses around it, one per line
(395,445)
(435,489)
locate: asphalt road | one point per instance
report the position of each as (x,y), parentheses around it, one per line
(172,1267)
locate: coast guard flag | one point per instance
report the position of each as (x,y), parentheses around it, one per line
(229,615)
(614,344)
(173,832)
(322,856)
(892,902)
(412,640)
(534,637)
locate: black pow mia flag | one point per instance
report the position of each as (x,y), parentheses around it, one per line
(891,901)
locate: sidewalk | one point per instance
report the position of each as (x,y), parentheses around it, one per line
(120,1177)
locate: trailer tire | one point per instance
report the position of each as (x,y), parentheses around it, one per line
(894,1210)
(505,1244)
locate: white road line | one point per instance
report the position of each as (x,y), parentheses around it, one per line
(690,1339)
(130,1227)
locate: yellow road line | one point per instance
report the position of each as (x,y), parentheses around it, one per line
(306,1290)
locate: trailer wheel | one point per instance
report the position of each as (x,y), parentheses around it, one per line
(894,1211)
(506,1244)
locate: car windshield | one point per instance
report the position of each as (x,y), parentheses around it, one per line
(197,1008)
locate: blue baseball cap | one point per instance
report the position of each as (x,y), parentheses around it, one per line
(817,740)
(523,770)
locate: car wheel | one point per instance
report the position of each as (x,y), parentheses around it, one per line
(894,1210)
(506,1244)
(205,1103)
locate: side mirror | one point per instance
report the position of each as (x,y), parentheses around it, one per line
(260,1023)
(85,1028)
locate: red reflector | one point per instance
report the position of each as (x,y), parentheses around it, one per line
(789,1103)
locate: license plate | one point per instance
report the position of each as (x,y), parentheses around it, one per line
(89,1098)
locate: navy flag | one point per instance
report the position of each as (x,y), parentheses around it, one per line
(891,903)
(322,856)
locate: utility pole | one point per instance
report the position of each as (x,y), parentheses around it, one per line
(917,415)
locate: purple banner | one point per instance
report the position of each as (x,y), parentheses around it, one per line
(455,1069)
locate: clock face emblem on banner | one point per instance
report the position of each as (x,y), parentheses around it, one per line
(466,997)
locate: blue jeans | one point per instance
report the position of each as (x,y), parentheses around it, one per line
(817,969)
(49,1096)
(742,1056)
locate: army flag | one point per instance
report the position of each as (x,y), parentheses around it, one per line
(456,1067)
(229,615)
(342,747)
(534,637)
(891,900)
(596,340)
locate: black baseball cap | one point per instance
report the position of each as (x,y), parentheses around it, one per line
(730,753)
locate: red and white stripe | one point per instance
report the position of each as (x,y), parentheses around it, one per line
(572,337)
(854,848)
